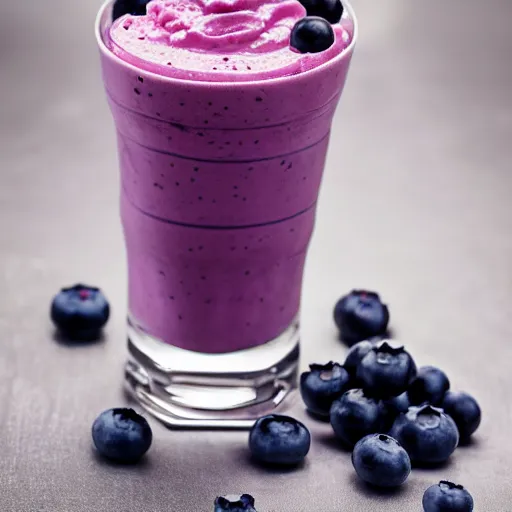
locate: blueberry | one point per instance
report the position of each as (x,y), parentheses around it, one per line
(80,311)
(121,435)
(330,10)
(380,460)
(280,440)
(428,434)
(322,385)
(361,315)
(398,404)
(312,34)
(234,503)
(386,370)
(464,411)
(355,355)
(356,415)
(447,497)
(133,7)
(429,385)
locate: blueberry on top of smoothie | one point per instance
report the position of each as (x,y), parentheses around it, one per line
(133,7)
(330,10)
(312,34)
(361,315)
(80,311)
(234,503)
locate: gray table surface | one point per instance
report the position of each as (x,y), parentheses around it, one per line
(415,203)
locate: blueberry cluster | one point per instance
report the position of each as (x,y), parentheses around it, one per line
(314,33)
(390,413)
(379,390)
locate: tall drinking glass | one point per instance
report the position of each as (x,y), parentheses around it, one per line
(219,185)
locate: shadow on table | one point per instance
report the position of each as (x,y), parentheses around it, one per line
(371,491)
(144,464)
(432,466)
(330,441)
(472,442)
(317,417)
(83,341)
(390,334)
(244,456)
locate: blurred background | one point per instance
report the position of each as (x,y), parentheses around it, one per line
(415,204)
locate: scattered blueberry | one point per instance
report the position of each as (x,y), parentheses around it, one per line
(361,315)
(281,440)
(322,385)
(398,404)
(428,434)
(121,435)
(356,415)
(133,7)
(355,355)
(312,34)
(429,385)
(80,311)
(330,10)
(386,370)
(447,497)
(380,460)
(464,411)
(234,503)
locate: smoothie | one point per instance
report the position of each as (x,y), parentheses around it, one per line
(222,130)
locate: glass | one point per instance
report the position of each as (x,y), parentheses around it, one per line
(219,183)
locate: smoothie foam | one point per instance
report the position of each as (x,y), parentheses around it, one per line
(220,40)
(219,178)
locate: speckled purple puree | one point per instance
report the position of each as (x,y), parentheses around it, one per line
(219,189)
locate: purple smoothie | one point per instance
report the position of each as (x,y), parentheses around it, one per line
(219,187)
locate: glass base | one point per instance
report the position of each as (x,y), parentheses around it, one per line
(186,389)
